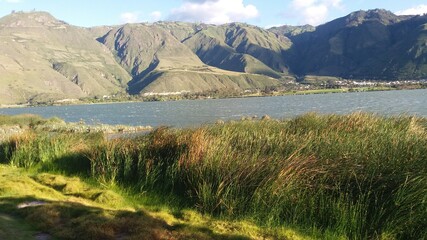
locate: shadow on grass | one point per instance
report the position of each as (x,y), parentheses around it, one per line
(73,163)
(69,220)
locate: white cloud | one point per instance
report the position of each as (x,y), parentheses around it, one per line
(156,16)
(334,3)
(214,11)
(303,3)
(273,25)
(314,12)
(129,17)
(12,1)
(418,10)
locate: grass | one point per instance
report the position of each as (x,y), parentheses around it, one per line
(29,120)
(357,176)
(11,227)
(76,209)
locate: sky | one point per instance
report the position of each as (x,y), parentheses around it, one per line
(263,13)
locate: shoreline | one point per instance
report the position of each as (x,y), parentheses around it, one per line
(193,97)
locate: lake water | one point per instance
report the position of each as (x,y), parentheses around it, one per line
(188,113)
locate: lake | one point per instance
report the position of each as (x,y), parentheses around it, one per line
(188,113)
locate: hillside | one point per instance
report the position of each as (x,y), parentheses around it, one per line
(290,31)
(373,44)
(42,58)
(235,47)
(160,63)
(45,59)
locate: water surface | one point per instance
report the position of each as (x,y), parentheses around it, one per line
(188,113)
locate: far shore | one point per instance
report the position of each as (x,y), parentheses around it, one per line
(196,96)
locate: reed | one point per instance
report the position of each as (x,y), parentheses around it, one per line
(359,175)
(30,120)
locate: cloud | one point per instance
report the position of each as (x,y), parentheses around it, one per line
(418,10)
(213,11)
(129,17)
(12,1)
(314,12)
(273,25)
(156,16)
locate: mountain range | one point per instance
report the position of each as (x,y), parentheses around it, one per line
(43,58)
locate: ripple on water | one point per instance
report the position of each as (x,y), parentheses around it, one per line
(197,112)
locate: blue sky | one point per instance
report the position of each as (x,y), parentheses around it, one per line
(263,13)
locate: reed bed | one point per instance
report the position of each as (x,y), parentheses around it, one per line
(25,120)
(359,176)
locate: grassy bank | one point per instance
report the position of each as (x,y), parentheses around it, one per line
(36,205)
(356,176)
(11,125)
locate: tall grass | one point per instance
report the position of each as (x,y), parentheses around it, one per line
(27,120)
(359,175)
(58,152)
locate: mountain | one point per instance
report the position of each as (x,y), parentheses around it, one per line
(290,31)
(42,58)
(375,44)
(160,63)
(235,47)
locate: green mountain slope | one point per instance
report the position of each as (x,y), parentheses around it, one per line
(408,57)
(160,63)
(373,44)
(42,58)
(235,47)
(290,31)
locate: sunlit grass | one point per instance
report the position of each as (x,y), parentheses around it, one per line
(355,176)
(26,120)
(71,208)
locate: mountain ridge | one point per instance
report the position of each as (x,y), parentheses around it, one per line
(43,58)
(365,45)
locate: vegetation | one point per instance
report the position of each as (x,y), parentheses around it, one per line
(52,206)
(169,66)
(43,58)
(357,176)
(24,120)
(374,44)
(290,31)
(14,125)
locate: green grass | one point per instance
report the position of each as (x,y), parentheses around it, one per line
(27,120)
(12,228)
(357,176)
(74,208)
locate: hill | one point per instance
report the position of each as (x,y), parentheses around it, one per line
(45,59)
(160,63)
(42,58)
(375,44)
(235,47)
(290,31)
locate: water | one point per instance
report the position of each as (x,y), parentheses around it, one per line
(188,113)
